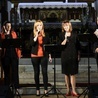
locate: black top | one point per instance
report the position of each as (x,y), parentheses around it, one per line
(10,49)
(34,45)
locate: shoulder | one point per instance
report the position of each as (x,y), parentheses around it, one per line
(2,35)
(14,34)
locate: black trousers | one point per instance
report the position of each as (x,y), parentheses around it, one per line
(36,62)
(10,67)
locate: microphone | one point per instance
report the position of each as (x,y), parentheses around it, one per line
(38,32)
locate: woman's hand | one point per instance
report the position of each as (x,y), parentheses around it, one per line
(50,59)
(64,42)
(6,31)
(96,33)
(35,38)
(96,51)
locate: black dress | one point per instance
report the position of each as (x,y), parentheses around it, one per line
(69,56)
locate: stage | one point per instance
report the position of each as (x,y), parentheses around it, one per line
(50,96)
(26,79)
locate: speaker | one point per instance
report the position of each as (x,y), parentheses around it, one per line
(5,92)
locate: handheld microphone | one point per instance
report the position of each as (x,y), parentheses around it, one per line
(38,32)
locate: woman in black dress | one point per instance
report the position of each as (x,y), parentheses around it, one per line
(69,56)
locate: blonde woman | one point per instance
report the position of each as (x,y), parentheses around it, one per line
(70,56)
(39,56)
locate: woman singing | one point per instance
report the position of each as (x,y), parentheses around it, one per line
(69,56)
(39,56)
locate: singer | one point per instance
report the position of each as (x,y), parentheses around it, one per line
(10,57)
(96,43)
(39,56)
(70,56)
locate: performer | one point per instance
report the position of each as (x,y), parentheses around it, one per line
(70,56)
(39,56)
(96,43)
(10,57)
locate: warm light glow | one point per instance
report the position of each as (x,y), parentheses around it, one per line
(12,5)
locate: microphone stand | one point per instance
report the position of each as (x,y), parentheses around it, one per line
(54,48)
(16,44)
(87,38)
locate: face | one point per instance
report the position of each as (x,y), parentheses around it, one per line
(8,26)
(66,27)
(39,27)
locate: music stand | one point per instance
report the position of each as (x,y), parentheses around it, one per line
(54,48)
(15,43)
(87,38)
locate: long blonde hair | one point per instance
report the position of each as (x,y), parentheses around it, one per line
(64,23)
(35,28)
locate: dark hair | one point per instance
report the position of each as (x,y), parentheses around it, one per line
(6,23)
(65,21)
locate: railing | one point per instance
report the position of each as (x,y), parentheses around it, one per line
(55,25)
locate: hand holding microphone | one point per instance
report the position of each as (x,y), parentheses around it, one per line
(64,41)
(6,31)
(96,33)
(37,33)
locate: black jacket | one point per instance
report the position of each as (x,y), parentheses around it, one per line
(34,45)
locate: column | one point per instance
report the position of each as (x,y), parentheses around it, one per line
(4,13)
(96,7)
(15,7)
